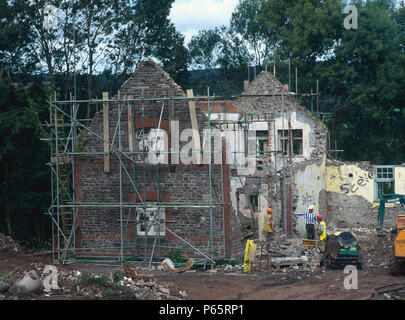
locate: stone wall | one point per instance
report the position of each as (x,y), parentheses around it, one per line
(100,227)
(351,195)
(304,174)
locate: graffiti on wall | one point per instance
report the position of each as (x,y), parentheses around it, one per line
(308,199)
(353,186)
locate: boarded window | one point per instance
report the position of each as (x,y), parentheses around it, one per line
(296,147)
(141,144)
(147,221)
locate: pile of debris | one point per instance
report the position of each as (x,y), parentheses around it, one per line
(228,268)
(123,283)
(393,291)
(7,244)
(289,256)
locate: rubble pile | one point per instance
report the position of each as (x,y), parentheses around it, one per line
(393,291)
(288,256)
(7,244)
(124,283)
(228,268)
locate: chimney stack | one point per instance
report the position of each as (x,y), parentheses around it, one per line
(245,85)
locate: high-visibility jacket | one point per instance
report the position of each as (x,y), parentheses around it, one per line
(268,223)
(250,252)
(322,227)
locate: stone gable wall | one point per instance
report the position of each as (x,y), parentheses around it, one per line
(100,227)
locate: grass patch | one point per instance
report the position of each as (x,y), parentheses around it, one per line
(110,288)
(231,261)
(88,279)
(118,275)
(5,277)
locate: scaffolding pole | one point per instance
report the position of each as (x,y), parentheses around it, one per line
(65,199)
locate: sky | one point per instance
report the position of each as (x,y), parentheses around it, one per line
(190,16)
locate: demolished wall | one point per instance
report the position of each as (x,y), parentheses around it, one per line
(304,174)
(351,195)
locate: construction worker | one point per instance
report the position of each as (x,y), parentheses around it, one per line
(321,231)
(268,224)
(310,221)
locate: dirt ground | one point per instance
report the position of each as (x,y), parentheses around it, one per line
(328,285)
(197,284)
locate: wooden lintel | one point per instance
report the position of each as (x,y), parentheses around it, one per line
(106,132)
(194,123)
(130,127)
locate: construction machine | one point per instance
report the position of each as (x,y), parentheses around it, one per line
(342,249)
(398,257)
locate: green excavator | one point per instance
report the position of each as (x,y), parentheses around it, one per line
(397,262)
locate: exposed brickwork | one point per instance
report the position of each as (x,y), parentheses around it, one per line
(100,227)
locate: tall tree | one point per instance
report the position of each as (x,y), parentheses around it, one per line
(128,47)
(234,59)
(165,42)
(70,44)
(16,41)
(98,18)
(249,23)
(24,176)
(204,49)
(370,83)
(307,30)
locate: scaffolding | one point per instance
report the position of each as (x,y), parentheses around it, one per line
(64,128)
(276,188)
(277,177)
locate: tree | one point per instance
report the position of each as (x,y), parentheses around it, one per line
(204,49)
(224,58)
(249,23)
(128,47)
(15,41)
(234,59)
(368,86)
(23,173)
(165,43)
(70,43)
(173,54)
(98,17)
(46,41)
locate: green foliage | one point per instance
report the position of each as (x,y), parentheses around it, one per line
(368,77)
(98,281)
(204,48)
(16,40)
(5,277)
(24,177)
(222,49)
(247,21)
(118,275)
(176,256)
(361,74)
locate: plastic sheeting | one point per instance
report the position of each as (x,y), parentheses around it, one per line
(346,239)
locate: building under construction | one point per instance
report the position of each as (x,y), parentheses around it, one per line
(146,178)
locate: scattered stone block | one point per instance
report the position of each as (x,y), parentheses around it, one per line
(3,286)
(31,283)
